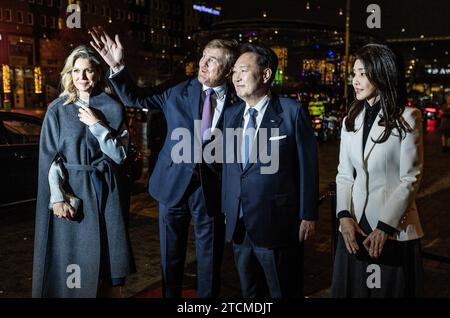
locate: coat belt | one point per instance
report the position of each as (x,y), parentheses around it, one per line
(97,174)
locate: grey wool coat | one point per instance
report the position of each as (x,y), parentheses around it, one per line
(68,253)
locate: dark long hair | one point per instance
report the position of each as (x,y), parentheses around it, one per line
(382,69)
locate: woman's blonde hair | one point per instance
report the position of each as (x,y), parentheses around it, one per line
(68,88)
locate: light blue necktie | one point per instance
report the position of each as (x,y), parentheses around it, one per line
(247,143)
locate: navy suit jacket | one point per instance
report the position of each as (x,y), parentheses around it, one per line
(273,204)
(181,106)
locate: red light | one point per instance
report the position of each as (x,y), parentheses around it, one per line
(409,104)
(430,110)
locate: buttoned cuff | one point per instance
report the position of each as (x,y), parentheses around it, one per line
(112,73)
(386,228)
(344,214)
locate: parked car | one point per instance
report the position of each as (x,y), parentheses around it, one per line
(19,154)
(430,109)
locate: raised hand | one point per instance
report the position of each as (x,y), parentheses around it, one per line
(110,50)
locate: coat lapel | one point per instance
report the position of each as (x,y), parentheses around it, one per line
(271,119)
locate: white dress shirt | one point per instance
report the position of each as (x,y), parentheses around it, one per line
(217,102)
(261,107)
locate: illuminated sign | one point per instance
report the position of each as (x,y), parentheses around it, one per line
(206,9)
(438,71)
(282,54)
(37,80)
(6,77)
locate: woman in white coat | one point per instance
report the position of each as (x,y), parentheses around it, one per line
(380,167)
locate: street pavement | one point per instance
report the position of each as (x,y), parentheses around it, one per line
(17,232)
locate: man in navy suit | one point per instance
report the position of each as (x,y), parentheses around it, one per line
(268,212)
(186,189)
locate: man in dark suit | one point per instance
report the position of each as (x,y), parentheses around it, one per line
(185,189)
(268,211)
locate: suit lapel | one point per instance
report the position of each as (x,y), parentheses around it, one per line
(225,105)
(358,135)
(271,119)
(193,96)
(235,123)
(375,133)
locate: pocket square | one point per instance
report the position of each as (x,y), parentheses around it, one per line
(277,137)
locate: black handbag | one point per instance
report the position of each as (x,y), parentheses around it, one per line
(391,253)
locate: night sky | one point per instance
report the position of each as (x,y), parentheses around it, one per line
(427,17)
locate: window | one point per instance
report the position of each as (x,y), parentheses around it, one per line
(94,9)
(30,18)
(1,14)
(31,1)
(19,17)
(8,17)
(43,21)
(118,15)
(39,1)
(49,3)
(85,8)
(52,22)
